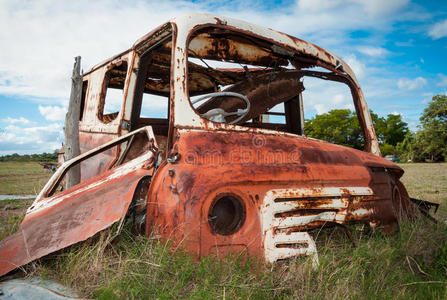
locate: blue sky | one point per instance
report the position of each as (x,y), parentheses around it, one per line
(397,49)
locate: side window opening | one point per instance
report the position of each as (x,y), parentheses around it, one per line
(155,112)
(330,113)
(154,107)
(152,91)
(113,92)
(83,97)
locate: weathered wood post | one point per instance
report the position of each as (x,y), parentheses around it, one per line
(71,129)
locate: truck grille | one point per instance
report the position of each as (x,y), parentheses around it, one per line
(287,214)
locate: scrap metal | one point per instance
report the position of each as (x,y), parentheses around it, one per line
(213,187)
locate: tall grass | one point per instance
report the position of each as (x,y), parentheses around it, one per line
(409,265)
(10,226)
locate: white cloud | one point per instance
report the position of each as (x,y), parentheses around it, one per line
(357,66)
(321,96)
(15,139)
(411,84)
(317,5)
(442,80)
(373,51)
(153,106)
(382,8)
(52,113)
(439,30)
(377,8)
(57,31)
(20,120)
(314,16)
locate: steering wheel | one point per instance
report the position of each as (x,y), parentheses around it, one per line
(218,114)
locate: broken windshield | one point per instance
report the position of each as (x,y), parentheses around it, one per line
(235,78)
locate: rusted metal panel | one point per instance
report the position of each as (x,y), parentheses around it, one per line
(256,168)
(206,46)
(75,218)
(55,222)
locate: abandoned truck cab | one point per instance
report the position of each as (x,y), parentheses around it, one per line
(199,128)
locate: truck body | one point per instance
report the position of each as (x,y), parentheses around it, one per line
(207,148)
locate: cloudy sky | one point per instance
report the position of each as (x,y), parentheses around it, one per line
(397,49)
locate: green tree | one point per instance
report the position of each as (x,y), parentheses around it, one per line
(395,129)
(433,134)
(429,143)
(338,126)
(407,149)
(379,126)
(341,126)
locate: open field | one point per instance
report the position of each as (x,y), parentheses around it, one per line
(22,178)
(428,182)
(409,265)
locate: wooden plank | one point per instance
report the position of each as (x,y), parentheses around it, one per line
(72,148)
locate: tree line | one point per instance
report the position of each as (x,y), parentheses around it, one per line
(42,157)
(428,143)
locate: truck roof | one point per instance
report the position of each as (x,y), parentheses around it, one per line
(185,24)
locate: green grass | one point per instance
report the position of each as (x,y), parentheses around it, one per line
(140,268)
(10,225)
(11,215)
(427,181)
(13,204)
(408,265)
(22,178)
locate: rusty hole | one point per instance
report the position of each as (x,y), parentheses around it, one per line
(307,198)
(305,212)
(377,169)
(226,215)
(292,245)
(308,227)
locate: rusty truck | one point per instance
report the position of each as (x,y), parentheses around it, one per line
(223,164)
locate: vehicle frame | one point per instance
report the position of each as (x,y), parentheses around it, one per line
(209,186)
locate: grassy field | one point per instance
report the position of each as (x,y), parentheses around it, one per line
(22,178)
(409,265)
(428,182)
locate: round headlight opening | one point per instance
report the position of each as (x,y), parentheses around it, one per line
(226,215)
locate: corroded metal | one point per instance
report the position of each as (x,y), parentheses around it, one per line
(212,187)
(54,222)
